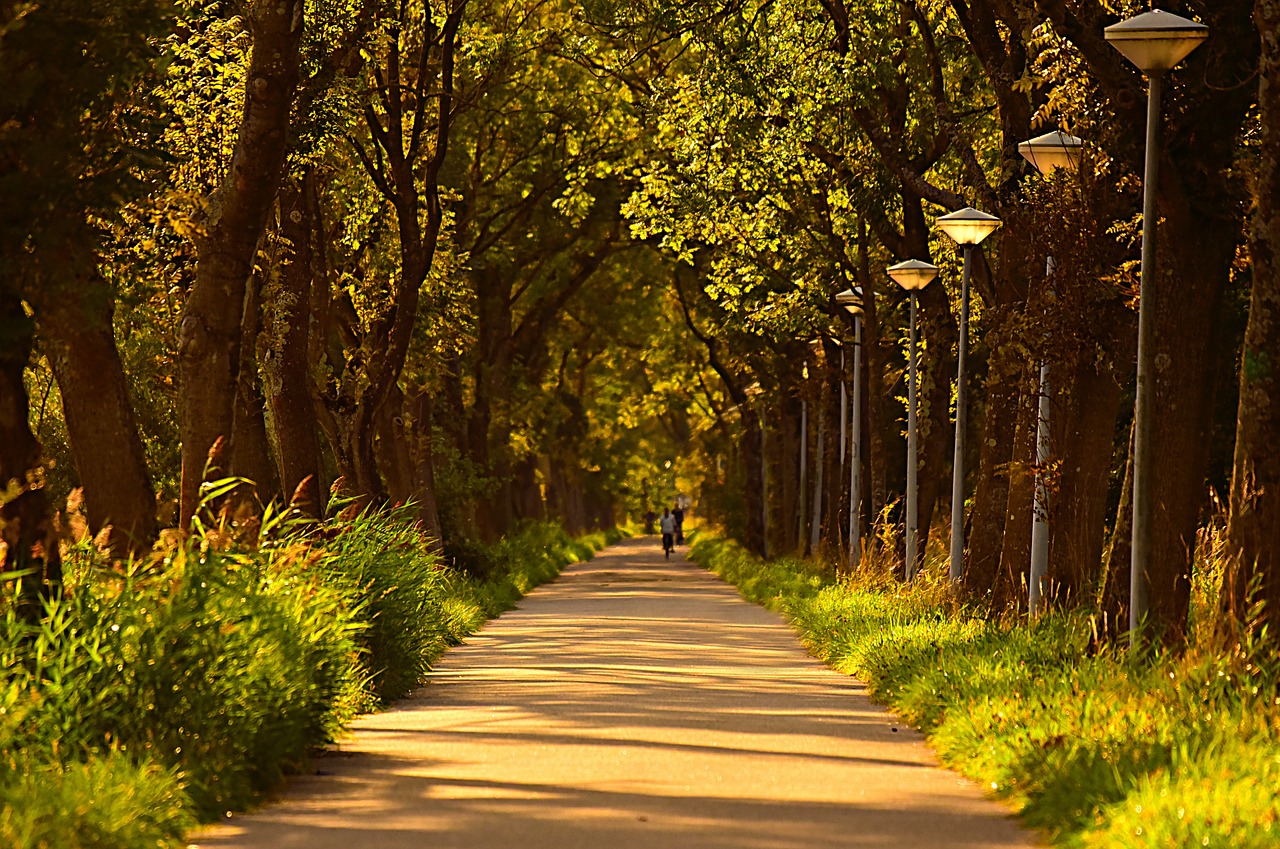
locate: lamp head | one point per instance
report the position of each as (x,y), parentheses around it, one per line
(1156,41)
(913,275)
(1051,151)
(968,226)
(851,300)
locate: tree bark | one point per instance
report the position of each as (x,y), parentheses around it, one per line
(991,493)
(1015,544)
(26,517)
(287,367)
(110,461)
(424,471)
(1115,592)
(235,216)
(1083,435)
(1254,529)
(251,451)
(392,448)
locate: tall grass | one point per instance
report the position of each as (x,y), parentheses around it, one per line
(1096,750)
(183,686)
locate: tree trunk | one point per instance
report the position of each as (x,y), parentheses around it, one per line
(991,494)
(287,369)
(1115,592)
(1254,530)
(392,448)
(235,217)
(424,471)
(1083,436)
(112,467)
(251,451)
(1187,312)
(787,442)
(26,517)
(1015,545)
(937,371)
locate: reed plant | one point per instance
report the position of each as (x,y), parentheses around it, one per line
(176,688)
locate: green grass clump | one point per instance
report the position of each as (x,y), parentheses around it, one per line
(186,685)
(108,802)
(1097,750)
(229,666)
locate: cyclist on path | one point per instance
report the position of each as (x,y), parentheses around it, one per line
(668,524)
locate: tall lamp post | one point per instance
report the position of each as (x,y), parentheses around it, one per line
(1046,153)
(912,275)
(967,227)
(1155,42)
(851,300)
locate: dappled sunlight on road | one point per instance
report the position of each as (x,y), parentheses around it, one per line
(636,702)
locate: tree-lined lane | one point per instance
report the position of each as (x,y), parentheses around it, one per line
(633,703)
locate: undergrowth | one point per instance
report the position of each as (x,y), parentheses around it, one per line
(185,685)
(1096,750)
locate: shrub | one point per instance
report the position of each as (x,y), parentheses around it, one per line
(188,684)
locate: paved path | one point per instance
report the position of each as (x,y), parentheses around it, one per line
(632,704)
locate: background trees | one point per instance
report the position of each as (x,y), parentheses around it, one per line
(548,259)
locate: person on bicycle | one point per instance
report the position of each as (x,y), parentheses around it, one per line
(668,525)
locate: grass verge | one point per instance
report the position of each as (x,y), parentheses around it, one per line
(184,686)
(1096,751)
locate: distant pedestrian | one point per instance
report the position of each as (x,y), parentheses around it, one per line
(678,515)
(668,523)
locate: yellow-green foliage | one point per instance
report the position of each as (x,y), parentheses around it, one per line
(1098,750)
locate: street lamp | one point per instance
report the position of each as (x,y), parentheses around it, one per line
(912,275)
(1046,153)
(967,227)
(1051,151)
(851,300)
(1155,42)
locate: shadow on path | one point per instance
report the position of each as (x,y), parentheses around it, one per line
(635,702)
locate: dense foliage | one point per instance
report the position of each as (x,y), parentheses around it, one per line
(189,684)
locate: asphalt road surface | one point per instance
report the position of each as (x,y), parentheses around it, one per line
(634,703)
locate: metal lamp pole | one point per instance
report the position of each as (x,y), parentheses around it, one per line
(1155,42)
(912,275)
(967,227)
(851,300)
(1046,153)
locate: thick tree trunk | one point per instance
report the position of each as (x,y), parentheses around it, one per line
(392,449)
(936,431)
(1254,530)
(424,471)
(235,217)
(1187,312)
(787,442)
(26,517)
(527,494)
(251,451)
(1115,591)
(880,423)
(103,432)
(991,494)
(1015,545)
(1083,436)
(287,370)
